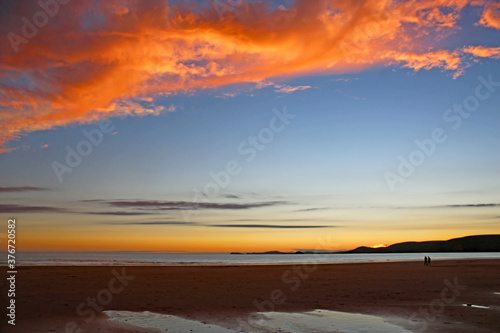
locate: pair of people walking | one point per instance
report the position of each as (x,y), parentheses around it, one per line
(427,261)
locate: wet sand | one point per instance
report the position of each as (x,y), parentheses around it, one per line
(418,298)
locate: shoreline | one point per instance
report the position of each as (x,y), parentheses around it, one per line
(257,264)
(210,264)
(49,297)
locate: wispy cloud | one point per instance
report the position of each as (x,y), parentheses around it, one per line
(23,189)
(263,83)
(311,209)
(349,96)
(231,196)
(472,205)
(286,89)
(182,223)
(449,60)
(29,209)
(274,220)
(345,79)
(491,16)
(119,213)
(120,68)
(280,88)
(152,223)
(479,205)
(483,52)
(187,205)
(271,226)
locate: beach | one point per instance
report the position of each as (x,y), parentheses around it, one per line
(417,297)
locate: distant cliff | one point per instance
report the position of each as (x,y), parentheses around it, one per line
(480,243)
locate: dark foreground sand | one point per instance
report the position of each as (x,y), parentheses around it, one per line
(47,298)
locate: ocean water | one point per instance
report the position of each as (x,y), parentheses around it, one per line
(180,259)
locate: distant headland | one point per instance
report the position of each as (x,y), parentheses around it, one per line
(291,252)
(477,243)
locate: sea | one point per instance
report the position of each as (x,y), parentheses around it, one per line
(215,259)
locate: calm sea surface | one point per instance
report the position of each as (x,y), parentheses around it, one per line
(155,258)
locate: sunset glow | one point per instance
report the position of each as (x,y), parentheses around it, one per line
(379,245)
(256,126)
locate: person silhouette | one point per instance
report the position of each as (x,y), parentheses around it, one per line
(425,261)
(429,261)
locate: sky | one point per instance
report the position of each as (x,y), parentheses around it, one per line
(216,126)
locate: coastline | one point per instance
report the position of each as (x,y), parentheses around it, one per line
(216,259)
(49,297)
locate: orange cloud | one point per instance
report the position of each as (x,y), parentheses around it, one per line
(483,52)
(491,16)
(442,58)
(90,60)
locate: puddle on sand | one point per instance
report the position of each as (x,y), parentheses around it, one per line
(476,306)
(163,322)
(326,321)
(294,322)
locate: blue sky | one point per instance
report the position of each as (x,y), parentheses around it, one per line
(324,171)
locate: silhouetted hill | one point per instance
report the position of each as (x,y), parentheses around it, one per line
(479,243)
(269,252)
